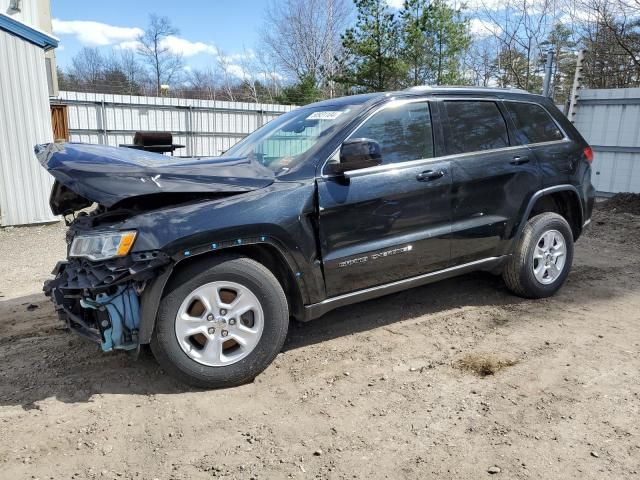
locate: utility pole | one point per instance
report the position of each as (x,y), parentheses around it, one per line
(548,69)
(577,83)
(329,60)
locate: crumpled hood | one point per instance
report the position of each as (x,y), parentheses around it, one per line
(108,175)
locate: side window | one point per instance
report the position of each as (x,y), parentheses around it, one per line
(474,126)
(533,123)
(403,132)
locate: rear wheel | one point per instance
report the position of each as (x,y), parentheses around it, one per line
(542,259)
(221,324)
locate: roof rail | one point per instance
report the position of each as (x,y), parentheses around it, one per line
(426,88)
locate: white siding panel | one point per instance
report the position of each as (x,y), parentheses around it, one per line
(610,119)
(205,127)
(25,120)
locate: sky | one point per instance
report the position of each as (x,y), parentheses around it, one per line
(205,26)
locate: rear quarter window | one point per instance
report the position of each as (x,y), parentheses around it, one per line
(474,126)
(533,123)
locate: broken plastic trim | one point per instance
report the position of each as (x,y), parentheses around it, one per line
(120,330)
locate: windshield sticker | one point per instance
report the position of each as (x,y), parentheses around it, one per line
(327,115)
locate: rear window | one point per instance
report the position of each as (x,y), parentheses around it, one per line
(533,123)
(474,126)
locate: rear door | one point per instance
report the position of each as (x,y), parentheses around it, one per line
(492,177)
(389,222)
(534,127)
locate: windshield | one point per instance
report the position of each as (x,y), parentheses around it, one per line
(285,142)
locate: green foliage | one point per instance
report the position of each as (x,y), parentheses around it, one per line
(515,70)
(301,93)
(435,37)
(371,61)
(424,44)
(561,42)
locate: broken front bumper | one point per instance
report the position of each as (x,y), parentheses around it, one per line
(101,300)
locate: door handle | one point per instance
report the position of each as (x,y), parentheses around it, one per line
(430,175)
(519,160)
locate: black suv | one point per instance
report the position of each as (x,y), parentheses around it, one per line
(330,204)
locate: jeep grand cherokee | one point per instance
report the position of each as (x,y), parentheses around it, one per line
(344,200)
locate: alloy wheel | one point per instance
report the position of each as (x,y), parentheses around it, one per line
(219,323)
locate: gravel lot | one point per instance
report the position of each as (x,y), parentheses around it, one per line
(392,388)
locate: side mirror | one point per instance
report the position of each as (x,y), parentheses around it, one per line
(357,153)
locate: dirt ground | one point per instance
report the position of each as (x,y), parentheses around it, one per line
(399,387)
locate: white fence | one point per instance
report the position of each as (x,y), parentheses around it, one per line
(204,127)
(610,121)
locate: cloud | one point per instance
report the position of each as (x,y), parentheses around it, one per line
(128,45)
(483,28)
(101,34)
(397,4)
(176,45)
(188,48)
(95,33)
(490,5)
(238,72)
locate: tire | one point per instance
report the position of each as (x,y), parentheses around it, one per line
(520,272)
(195,361)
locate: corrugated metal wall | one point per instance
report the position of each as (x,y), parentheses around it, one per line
(205,127)
(610,121)
(25,121)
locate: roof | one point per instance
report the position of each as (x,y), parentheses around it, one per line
(424,90)
(28,33)
(462,89)
(349,100)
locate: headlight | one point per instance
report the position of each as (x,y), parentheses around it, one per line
(102,246)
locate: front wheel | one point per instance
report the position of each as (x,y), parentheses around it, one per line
(221,323)
(542,259)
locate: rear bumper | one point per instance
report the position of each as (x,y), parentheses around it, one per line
(100,301)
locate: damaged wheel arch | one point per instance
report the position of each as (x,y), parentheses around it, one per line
(267,253)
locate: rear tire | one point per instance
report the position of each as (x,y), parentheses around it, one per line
(204,299)
(542,258)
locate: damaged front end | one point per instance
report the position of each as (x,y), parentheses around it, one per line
(109,289)
(100,300)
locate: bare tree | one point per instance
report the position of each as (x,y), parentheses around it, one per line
(622,19)
(164,64)
(133,71)
(123,73)
(520,27)
(479,64)
(203,83)
(303,36)
(228,77)
(269,75)
(609,30)
(87,67)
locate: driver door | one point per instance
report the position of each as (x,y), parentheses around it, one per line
(389,222)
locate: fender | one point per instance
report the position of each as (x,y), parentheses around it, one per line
(539,194)
(152,295)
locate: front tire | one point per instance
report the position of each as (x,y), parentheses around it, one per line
(542,258)
(220,324)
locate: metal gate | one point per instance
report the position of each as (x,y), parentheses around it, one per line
(610,121)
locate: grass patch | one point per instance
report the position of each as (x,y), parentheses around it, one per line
(483,364)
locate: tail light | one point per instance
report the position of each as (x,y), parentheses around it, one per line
(588,154)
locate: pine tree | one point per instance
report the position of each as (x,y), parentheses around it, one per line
(564,48)
(301,93)
(417,44)
(371,61)
(450,39)
(434,40)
